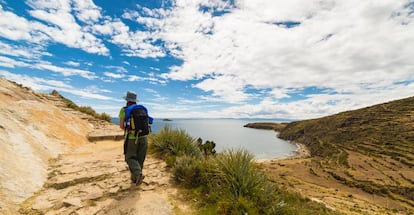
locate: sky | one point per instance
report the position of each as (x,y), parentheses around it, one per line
(270,59)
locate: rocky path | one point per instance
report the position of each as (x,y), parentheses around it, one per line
(94,179)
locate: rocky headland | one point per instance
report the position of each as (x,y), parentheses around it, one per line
(266,125)
(355,162)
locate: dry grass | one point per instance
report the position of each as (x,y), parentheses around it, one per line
(362,161)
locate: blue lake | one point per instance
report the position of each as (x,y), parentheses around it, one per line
(230,134)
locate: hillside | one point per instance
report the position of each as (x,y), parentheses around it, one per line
(368,154)
(58,160)
(385,129)
(28,139)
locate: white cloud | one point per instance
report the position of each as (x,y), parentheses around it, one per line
(64,28)
(317,105)
(24,51)
(133,44)
(58,25)
(152,80)
(113,75)
(72,63)
(155,69)
(61,27)
(87,11)
(65,71)
(20,28)
(155,95)
(135,78)
(280,93)
(358,52)
(41,84)
(344,46)
(11,63)
(38,84)
(184,101)
(43,65)
(96,89)
(118,69)
(228,88)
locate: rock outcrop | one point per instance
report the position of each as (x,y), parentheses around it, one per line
(94,179)
(266,125)
(32,130)
(52,163)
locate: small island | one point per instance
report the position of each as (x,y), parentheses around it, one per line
(166,120)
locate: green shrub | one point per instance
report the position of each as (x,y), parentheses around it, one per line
(168,142)
(238,206)
(208,148)
(236,174)
(86,109)
(72,105)
(228,183)
(242,187)
(106,117)
(188,171)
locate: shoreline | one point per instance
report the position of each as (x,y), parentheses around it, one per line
(300,153)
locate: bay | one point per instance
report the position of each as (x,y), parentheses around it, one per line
(230,134)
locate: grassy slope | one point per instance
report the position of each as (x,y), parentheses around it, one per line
(371,148)
(386,129)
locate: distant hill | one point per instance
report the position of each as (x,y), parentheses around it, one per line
(370,148)
(384,130)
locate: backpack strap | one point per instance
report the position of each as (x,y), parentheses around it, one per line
(128,111)
(129,119)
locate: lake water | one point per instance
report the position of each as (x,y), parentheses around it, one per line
(230,134)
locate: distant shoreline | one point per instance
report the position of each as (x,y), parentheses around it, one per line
(300,152)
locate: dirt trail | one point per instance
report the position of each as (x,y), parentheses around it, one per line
(57,160)
(94,179)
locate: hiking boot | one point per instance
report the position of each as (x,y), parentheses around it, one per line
(133,179)
(139,179)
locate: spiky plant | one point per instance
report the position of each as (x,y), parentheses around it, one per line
(170,143)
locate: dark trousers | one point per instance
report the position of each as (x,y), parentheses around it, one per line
(135,154)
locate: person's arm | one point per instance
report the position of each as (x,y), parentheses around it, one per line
(122,123)
(121,116)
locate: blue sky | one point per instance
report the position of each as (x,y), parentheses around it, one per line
(212,58)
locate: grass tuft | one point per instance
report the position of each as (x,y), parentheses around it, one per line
(84,109)
(225,183)
(169,144)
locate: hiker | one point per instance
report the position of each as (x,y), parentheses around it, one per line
(134,119)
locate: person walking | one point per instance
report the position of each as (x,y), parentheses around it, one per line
(134,120)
